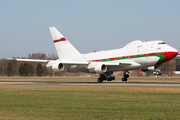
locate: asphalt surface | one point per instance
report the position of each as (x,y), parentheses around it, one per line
(140,84)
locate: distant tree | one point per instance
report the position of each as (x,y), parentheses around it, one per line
(31,70)
(52,57)
(9,69)
(37,56)
(3,67)
(39,70)
(26,69)
(21,70)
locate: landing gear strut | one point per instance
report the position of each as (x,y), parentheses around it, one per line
(106,76)
(125,76)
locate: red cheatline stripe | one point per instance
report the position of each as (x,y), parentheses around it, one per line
(59,40)
(167,56)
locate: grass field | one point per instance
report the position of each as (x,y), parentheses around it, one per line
(87,102)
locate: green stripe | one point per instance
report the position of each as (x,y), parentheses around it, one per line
(57,41)
(161,57)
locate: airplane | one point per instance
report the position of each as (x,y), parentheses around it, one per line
(135,55)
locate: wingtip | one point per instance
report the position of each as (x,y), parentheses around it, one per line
(10,58)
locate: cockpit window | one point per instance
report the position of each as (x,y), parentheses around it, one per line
(161,43)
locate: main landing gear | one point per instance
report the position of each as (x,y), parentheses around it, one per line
(106,76)
(125,76)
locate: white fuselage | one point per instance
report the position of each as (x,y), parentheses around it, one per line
(139,54)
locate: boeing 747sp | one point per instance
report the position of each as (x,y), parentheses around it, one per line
(135,55)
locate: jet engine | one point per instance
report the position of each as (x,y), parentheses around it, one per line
(97,68)
(58,66)
(152,68)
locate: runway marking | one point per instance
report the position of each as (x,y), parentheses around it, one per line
(138,84)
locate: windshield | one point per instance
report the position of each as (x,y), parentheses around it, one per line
(161,43)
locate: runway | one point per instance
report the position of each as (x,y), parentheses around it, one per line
(138,84)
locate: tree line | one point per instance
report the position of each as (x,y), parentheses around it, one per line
(26,69)
(14,68)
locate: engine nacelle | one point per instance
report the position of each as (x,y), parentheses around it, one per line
(97,68)
(152,68)
(58,66)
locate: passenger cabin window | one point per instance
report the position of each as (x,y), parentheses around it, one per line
(161,43)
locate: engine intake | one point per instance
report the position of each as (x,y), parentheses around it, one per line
(58,66)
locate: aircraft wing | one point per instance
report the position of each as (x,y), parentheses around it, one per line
(29,60)
(116,63)
(70,62)
(54,64)
(75,63)
(43,62)
(125,63)
(105,63)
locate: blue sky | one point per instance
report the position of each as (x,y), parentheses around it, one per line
(88,24)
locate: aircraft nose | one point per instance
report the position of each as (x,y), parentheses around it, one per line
(175,52)
(170,54)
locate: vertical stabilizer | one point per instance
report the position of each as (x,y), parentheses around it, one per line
(63,47)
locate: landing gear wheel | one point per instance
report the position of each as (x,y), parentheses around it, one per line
(109,79)
(99,80)
(105,76)
(125,76)
(113,78)
(124,79)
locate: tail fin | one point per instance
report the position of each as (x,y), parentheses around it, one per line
(63,46)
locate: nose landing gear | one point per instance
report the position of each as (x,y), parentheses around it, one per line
(125,76)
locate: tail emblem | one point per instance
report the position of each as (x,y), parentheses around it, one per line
(60,40)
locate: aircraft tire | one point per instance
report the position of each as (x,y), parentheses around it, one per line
(124,79)
(127,76)
(99,81)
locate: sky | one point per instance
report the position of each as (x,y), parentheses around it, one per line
(87,24)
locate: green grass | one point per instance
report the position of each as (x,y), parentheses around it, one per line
(88,102)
